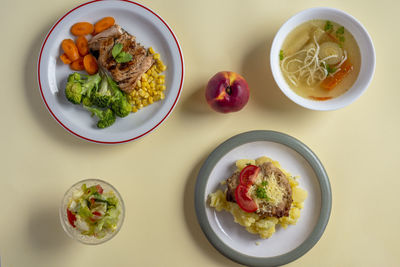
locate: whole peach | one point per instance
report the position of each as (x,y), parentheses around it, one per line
(227,92)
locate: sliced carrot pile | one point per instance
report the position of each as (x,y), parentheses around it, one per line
(331,81)
(70,49)
(77,64)
(90,64)
(64,58)
(103,24)
(82,44)
(320,98)
(82,28)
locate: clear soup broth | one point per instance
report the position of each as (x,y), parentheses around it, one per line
(320,60)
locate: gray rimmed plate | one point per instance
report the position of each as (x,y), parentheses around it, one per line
(285,245)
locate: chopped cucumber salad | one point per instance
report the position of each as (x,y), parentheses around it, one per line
(94,212)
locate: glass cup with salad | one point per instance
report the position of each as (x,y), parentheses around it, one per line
(92,211)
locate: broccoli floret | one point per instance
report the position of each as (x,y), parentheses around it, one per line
(80,86)
(87,101)
(102,96)
(106,117)
(92,82)
(74,77)
(73,90)
(119,103)
(121,106)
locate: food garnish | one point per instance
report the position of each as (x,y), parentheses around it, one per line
(119,55)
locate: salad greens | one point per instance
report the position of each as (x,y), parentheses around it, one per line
(93,212)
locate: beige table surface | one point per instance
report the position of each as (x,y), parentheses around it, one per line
(358,145)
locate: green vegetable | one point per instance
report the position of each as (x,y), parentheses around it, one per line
(330,69)
(328,26)
(73,92)
(117,48)
(119,102)
(97,213)
(78,86)
(119,55)
(281,55)
(106,117)
(261,192)
(339,34)
(102,96)
(264,183)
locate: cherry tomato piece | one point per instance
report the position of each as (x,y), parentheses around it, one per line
(71,218)
(249,174)
(99,189)
(243,199)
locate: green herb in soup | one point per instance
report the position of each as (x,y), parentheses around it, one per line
(321,60)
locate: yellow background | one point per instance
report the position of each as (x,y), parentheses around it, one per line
(358,145)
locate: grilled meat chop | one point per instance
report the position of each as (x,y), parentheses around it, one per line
(125,74)
(266,209)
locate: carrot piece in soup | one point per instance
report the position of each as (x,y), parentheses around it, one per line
(90,64)
(82,28)
(331,81)
(77,64)
(82,44)
(103,24)
(320,98)
(64,58)
(70,49)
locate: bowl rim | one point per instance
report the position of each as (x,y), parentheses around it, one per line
(62,212)
(366,70)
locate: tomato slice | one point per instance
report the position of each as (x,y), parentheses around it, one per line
(99,189)
(249,174)
(71,218)
(243,199)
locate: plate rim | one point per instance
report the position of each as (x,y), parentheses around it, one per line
(271,136)
(135,137)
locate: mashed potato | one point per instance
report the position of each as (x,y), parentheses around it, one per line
(251,221)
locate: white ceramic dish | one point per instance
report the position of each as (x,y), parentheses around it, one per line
(362,38)
(285,245)
(150,30)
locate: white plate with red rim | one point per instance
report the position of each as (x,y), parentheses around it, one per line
(285,245)
(150,30)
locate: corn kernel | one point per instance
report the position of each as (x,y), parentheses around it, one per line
(151,50)
(150,100)
(145,103)
(134,109)
(162,96)
(156,56)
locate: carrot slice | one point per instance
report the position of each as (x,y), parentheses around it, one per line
(70,49)
(77,64)
(82,28)
(64,58)
(103,24)
(331,81)
(321,98)
(90,64)
(82,44)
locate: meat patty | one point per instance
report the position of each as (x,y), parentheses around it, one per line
(266,208)
(128,73)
